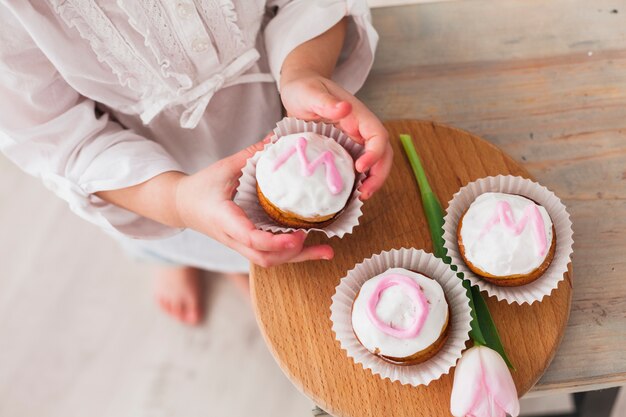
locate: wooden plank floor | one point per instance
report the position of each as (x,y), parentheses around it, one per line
(80,335)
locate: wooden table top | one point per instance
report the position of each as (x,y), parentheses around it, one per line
(526,76)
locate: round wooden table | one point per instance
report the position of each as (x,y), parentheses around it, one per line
(292,302)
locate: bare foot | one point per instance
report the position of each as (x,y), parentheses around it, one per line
(179,293)
(241,281)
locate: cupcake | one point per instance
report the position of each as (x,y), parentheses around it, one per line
(304,180)
(506,239)
(401,316)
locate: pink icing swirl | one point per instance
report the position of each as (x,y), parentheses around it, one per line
(504,214)
(417,296)
(333,178)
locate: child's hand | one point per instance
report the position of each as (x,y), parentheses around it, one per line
(204,203)
(312,97)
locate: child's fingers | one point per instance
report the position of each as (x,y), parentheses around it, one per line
(310,253)
(376,141)
(266,241)
(267,249)
(326,105)
(350,126)
(313,253)
(238,227)
(377,175)
(333,112)
(235,223)
(268,259)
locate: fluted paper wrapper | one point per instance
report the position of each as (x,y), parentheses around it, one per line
(545,284)
(248,200)
(459,322)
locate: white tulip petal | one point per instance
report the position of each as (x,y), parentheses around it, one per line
(467,388)
(483,386)
(499,382)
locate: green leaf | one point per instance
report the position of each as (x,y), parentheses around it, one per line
(483,330)
(475,332)
(487,326)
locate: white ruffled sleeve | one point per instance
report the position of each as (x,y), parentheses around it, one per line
(298,21)
(55,134)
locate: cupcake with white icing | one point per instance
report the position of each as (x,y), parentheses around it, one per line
(506,239)
(510,236)
(401,316)
(280,191)
(304,180)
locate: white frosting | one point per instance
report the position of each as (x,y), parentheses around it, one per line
(500,252)
(306,196)
(397,310)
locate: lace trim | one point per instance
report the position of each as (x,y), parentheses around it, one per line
(230,16)
(227,34)
(133,72)
(108,44)
(147,17)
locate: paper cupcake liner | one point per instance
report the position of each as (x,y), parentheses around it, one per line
(544,285)
(248,200)
(459,323)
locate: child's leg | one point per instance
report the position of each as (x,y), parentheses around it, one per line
(179,292)
(179,288)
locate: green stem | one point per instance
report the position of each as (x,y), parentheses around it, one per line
(432,208)
(416,164)
(483,330)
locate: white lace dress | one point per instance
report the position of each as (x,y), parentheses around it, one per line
(104,94)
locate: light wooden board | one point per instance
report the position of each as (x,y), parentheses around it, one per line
(526,77)
(292,301)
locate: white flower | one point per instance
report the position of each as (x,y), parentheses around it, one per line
(483,386)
